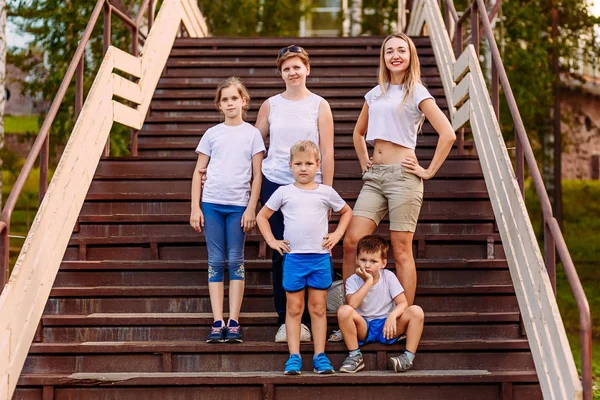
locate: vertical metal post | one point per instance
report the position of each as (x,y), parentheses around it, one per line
(595,166)
(79,87)
(4,250)
(495,91)
(557,203)
(44,157)
(458,40)
(475,27)
(550,255)
(520,158)
(150,14)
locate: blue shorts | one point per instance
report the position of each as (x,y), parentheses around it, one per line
(301,270)
(375,333)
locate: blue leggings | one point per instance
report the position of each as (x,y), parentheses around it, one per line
(225,240)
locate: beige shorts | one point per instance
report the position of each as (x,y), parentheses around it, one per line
(390,188)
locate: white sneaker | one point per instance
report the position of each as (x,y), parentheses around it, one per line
(281,336)
(305,335)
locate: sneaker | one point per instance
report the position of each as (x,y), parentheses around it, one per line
(401,363)
(336,336)
(305,335)
(234,334)
(293,366)
(217,333)
(281,335)
(322,365)
(353,364)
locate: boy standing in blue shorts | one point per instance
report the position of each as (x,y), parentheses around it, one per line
(305,205)
(376,309)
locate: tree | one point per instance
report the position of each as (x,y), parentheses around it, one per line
(527,40)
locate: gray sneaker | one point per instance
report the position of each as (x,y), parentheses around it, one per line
(401,363)
(353,364)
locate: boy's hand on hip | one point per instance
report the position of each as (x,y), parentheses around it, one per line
(389,328)
(282,246)
(330,240)
(248,220)
(197,220)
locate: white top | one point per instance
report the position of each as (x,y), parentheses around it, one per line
(289,122)
(392,121)
(379,302)
(229,172)
(305,215)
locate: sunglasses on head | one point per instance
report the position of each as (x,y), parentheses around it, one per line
(292,49)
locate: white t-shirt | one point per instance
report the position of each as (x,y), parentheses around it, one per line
(392,121)
(289,122)
(305,215)
(229,172)
(379,302)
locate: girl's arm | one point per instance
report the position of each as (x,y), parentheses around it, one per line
(326,142)
(447,137)
(249,216)
(358,137)
(196,216)
(262,220)
(262,119)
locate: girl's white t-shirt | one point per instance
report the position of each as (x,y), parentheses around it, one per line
(289,122)
(305,215)
(229,171)
(392,121)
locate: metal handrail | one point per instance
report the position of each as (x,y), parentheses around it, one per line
(41,145)
(554,241)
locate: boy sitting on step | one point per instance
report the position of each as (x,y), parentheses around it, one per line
(305,205)
(376,309)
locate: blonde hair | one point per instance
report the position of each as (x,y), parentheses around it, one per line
(304,146)
(302,55)
(413,74)
(233,81)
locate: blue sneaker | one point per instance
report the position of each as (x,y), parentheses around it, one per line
(234,334)
(293,365)
(217,333)
(322,365)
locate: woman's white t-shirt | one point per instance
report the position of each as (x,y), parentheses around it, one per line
(229,171)
(305,215)
(289,122)
(392,121)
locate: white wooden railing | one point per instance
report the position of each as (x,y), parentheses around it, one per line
(469,102)
(23,299)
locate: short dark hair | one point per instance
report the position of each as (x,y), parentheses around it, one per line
(372,244)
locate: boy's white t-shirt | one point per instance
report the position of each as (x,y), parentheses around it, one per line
(305,215)
(379,302)
(229,171)
(392,121)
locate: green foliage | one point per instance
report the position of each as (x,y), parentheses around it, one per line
(21,124)
(525,38)
(253,18)
(377,16)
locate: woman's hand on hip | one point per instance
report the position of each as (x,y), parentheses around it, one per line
(411,165)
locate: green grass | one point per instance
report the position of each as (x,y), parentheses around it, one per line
(21,124)
(581,230)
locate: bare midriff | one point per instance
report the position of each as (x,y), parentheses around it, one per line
(390,153)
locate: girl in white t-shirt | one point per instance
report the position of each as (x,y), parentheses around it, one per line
(231,154)
(390,119)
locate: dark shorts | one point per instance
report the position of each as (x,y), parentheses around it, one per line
(375,333)
(306,270)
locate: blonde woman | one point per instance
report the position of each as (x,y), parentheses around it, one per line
(294,115)
(390,119)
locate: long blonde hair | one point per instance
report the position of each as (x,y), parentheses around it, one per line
(413,74)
